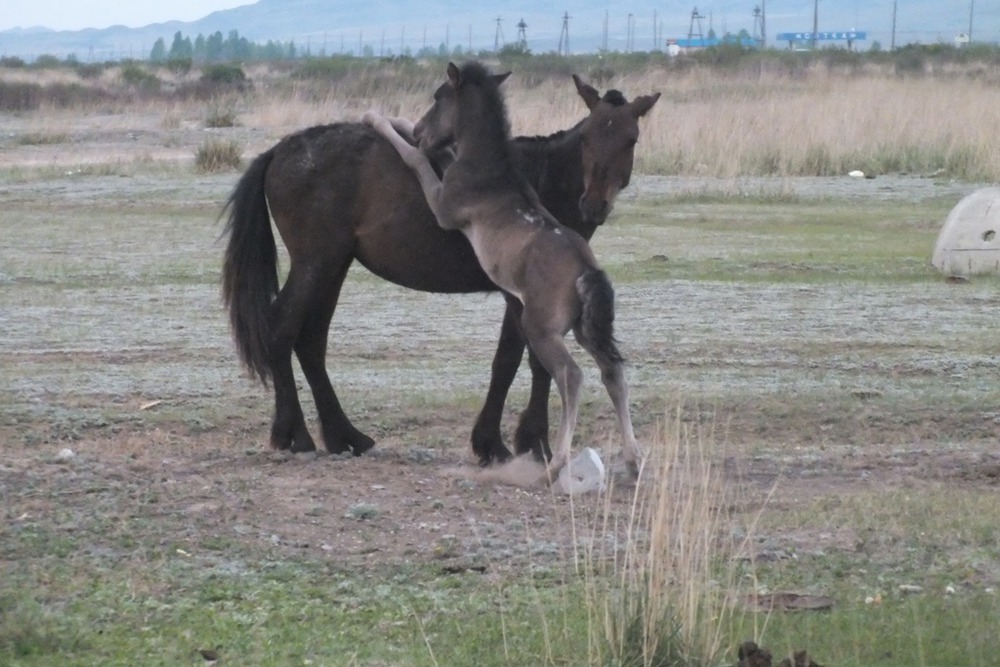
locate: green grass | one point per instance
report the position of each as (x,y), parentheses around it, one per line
(925,630)
(75,612)
(773,239)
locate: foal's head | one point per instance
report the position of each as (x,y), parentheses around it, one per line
(608,138)
(470,96)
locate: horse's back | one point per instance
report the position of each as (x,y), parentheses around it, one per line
(341,191)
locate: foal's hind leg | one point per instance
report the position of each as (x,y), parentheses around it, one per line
(613,377)
(552,353)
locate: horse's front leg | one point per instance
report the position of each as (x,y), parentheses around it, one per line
(532,434)
(487,442)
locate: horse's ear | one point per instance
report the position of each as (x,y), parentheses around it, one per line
(589,94)
(500,78)
(641,105)
(454,75)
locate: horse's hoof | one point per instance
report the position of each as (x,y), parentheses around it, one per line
(300,447)
(498,457)
(361,444)
(632,468)
(293,444)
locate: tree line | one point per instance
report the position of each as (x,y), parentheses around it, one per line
(216,49)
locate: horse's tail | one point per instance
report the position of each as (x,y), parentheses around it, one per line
(250,270)
(596,328)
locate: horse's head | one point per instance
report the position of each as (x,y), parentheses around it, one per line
(608,138)
(436,129)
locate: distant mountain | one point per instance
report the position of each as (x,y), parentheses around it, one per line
(390,27)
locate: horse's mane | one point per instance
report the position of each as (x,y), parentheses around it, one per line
(614,98)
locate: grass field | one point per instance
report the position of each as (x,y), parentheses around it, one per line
(829,400)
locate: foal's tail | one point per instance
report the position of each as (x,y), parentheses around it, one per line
(596,329)
(250,270)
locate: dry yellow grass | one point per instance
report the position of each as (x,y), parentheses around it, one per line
(726,124)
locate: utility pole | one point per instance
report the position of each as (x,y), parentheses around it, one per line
(656,40)
(498,39)
(628,35)
(695,17)
(564,36)
(763,23)
(892,42)
(604,41)
(522,37)
(972,5)
(815,22)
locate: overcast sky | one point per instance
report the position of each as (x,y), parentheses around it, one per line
(78,14)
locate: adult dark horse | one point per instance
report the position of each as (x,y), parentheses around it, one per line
(340,192)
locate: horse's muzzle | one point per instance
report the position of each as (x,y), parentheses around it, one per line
(595,211)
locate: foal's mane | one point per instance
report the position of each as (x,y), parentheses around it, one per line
(494,108)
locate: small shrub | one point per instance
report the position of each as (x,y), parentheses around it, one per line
(218,155)
(46,61)
(42,139)
(89,71)
(13,62)
(219,117)
(225,74)
(333,68)
(137,78)
(179,66)
(19,96)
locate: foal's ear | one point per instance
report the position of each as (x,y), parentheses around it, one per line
(589,94)
(500,78)
(641,105)
(454,76)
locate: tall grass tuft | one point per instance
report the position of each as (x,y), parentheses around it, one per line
(666,597)
(218,155)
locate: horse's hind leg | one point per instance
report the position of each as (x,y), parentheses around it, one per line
(287,314)
(339,435)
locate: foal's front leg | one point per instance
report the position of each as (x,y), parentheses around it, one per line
(415,159)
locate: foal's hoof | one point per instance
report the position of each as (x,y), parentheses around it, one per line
(373,118)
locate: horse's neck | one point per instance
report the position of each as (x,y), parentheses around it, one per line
(553,165)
